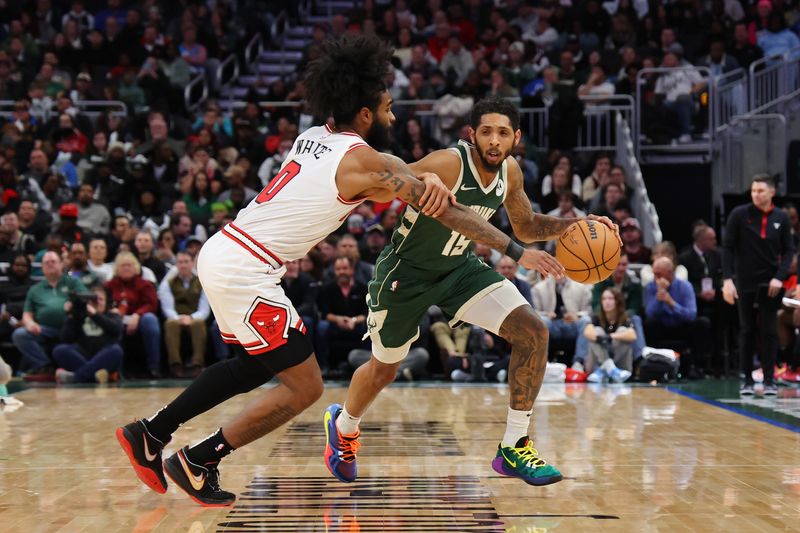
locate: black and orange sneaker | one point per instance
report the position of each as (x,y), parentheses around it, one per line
(201,483)
(144,452)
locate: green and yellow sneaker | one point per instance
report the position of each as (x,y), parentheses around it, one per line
(523,461)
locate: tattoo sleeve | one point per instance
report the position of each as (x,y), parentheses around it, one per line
(529,226)
(469,224)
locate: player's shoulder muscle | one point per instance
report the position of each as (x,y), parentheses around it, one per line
(444,163)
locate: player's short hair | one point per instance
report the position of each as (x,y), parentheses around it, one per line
(494,104)
(348,75)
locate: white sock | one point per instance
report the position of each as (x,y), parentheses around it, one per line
(516,426)
(346,423)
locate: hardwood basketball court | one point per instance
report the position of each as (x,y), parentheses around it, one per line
(635,458)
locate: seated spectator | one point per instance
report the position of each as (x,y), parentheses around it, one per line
(89,350)
(776,39)
(677,89)
(452,344)
(98,252)
(343,310)
(32,221)
(602,164)
(78,266)
(671,315)
(135,300)
(12,295)
(606,200)
(561,304)
(93,217)
(185,308)
(347,246)
(43,316)
(7,253)
(573,179)
(166,247)
(632,245)
(302,290)
(561,184)
(373,243)
(663,249)
(566,207)
(507,268)
(20,242)
(743,50)
(143,249)
(611,336)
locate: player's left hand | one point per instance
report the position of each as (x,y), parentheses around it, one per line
(437,197)
(608,222)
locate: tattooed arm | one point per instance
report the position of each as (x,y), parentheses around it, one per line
(532,227)
(529,226)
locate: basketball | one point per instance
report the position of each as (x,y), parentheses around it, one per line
(589,251)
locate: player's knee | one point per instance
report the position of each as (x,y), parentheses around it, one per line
(310,392)
(382,373)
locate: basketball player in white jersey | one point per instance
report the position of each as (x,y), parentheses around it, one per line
(325,176)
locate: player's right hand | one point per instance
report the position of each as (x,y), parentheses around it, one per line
(542,262)
(729,293)
(437,196)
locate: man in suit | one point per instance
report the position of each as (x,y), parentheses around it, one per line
(703,262)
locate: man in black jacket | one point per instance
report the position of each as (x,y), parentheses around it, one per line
(758,250)
(343,312)
(91,350)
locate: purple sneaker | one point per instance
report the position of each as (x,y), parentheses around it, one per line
(340,450)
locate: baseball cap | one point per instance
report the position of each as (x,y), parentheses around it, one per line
(68,211)
(193,238)
(375,227)
(85,76)
(355,221)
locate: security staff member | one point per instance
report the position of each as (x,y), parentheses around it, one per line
(757,252)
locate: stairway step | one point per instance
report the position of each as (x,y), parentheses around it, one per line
(301,31)
(295,44)
(275,56)
(273,68)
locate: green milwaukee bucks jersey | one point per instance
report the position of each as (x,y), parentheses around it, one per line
(424,243)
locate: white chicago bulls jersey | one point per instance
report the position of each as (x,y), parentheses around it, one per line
(301,205)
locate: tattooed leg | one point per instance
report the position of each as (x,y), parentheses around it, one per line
(528,337)
(300,387)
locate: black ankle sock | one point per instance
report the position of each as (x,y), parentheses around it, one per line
(210,450)
(217,383)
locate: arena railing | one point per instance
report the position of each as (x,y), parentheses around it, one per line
(195,92)
(90,108)
(643,209)
(774,81)
(702,147)
(730,98)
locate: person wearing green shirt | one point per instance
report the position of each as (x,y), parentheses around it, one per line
(43,314)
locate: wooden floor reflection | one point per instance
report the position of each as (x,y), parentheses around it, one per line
(635,459)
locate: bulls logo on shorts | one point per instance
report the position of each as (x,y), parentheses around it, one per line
(269,321)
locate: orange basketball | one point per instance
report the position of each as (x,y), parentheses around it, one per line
(589,251)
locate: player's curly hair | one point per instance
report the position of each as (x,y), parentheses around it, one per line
(348,75)
(494,104)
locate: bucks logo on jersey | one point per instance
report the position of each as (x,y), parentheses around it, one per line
(425,243)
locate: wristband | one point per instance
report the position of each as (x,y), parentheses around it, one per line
(514,250)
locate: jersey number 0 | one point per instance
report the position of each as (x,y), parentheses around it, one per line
(283,177)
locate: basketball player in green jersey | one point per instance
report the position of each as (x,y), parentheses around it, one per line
(428,264)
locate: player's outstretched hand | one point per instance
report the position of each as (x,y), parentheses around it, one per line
(542,262)
(437,196)
(608,222)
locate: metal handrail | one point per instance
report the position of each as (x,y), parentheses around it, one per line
(7,107)
(723,84)
(250,55)
(220,72)
(200,79)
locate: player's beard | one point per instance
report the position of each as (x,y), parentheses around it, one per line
(379,135)
(486,164)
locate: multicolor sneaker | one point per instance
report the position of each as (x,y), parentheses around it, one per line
(201,483)
(340,450)
(144,452)
(523,461)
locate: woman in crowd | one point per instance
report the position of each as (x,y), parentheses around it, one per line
(611,336)
(135,300)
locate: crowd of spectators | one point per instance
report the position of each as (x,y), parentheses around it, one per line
(124,200)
